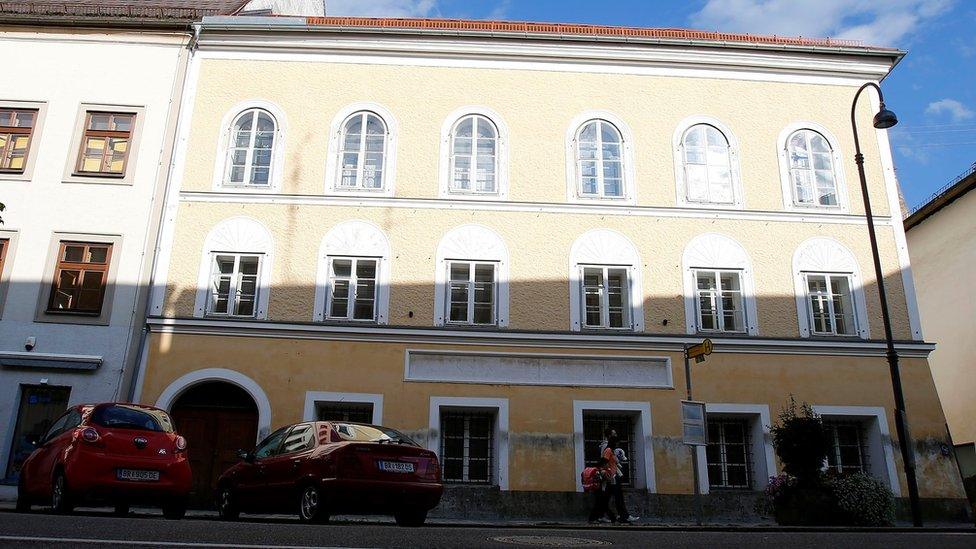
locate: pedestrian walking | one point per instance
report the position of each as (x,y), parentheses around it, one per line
(617,458)
(595,480)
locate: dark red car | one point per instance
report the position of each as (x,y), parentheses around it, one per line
(114,452)
(324,468)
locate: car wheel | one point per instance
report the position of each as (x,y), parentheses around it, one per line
(410,517)
(60,496)
(122,508)
(23,500)
(227,504)
(311,506)
(174,510)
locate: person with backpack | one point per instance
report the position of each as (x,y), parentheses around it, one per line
(616,457)
(595,481)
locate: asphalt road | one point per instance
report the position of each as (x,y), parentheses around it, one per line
(96,530)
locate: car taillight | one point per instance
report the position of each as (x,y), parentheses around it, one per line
(89,435)
(180,444)
(431,471)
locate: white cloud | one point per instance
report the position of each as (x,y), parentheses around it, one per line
(956,110)
(382,8)
(873,22)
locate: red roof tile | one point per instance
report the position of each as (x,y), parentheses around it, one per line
(516,27)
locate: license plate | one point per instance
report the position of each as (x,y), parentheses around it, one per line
(136,474)
(396,466)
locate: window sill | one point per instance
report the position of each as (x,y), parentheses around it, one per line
(15,176)
(64,317)
(94,179)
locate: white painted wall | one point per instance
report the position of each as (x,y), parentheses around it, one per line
(66,70)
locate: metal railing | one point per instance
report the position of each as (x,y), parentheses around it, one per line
(942,190)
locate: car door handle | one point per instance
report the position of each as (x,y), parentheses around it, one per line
(295,463)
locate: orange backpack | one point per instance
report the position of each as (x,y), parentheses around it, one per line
(590,477)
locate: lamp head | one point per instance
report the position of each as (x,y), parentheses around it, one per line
(885,118)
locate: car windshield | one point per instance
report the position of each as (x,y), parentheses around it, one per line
(133,417)
(357,432)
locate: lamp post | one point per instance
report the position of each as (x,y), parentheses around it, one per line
(882,120)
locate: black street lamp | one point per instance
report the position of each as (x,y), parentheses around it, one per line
(885,119)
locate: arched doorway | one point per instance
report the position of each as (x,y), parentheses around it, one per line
(217,418)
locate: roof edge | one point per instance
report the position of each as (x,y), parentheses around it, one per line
(947,195)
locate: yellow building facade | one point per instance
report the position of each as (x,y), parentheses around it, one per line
(499,242)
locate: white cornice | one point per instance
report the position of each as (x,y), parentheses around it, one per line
(675,60)
(531,207)
(560,340)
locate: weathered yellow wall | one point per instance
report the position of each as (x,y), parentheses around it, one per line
(541,418)
(943,252)
(539,247)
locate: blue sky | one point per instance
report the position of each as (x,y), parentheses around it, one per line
(933,90)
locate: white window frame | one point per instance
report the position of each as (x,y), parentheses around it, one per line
(353,239)
(763,455)
(677,145)
(599,247)
(828,278)
(478,244)
(628,324)
(879,444)
(820,255)
(236,235)
(333,167)
(573,179)
(717,252)
(499,406)
(233,294)
(446,177)
(353,285)
(472,264)
(716,299)
(222,162)
(786,182)
(643,458)
(314,398)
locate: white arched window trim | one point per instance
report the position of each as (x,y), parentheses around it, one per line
(360,239)
(629,173)
(605,247)
(174,390)
(243,235)
(677,145)
(826,255)
(471,242)
(501,168)
(713,251)
(277,154)
(389,166)
(789,200)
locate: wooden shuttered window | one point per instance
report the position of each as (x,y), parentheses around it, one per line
(80,278)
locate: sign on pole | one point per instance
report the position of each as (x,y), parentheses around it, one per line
(694,432)
(700,351)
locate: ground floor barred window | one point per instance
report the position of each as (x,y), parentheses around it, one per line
(467,445)
(848,447)
(728,454)
(353,412)
(595,424)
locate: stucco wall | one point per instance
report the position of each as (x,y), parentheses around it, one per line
(943,252)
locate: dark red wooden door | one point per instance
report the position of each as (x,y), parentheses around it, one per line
(213,437)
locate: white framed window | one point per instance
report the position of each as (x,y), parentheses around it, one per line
(470,436)
(859,441)
(352,407)
(811,169)
(235,269)
(362,151)
(251,148)
(706,166)
(471,278)
(352,288)
(606,297)
(719,301)
(471,292)
(830,304)
(599,159)
(234,285)
(739,454)
(632,421)
(474,156)
(848,446)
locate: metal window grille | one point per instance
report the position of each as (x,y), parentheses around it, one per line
(848,447)
(594,425)
(351,412)
(467,447)
(729,454)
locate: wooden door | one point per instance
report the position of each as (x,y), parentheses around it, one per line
(213,437)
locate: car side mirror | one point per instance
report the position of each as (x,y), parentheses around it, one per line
(245,456)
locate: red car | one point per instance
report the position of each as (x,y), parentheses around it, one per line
(114,452)
(321,468)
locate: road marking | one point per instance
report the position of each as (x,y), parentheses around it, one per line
(161,543)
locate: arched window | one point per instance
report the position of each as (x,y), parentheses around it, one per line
(474,156)
(706,161)
(829,290)
(250,149)
(811,166)
(471,280)
(599,160)
(719,290)
(605,282)
(353,281)
(362,152)
(235,270)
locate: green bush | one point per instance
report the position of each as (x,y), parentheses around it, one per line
(801,443)
(862,500)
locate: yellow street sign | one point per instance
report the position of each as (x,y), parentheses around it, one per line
(702,349)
